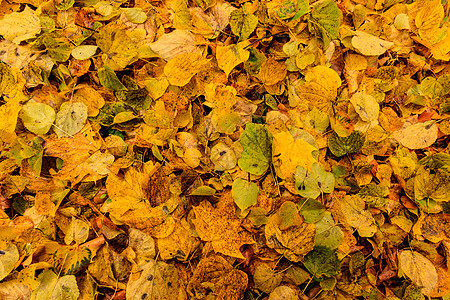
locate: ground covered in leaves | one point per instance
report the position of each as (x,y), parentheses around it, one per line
(224,150)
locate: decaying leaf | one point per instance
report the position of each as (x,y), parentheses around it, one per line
(351,211)
(207,149)
(419,269)
(221,229)
(214,275)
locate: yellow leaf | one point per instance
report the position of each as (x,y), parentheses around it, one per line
(230,56)
(368,44)
(288,153)
(272,71)
(179,244)
(8,116)
(130,203)
(366,106)
(84,51)
(324,76)
(419,269)
(156,87)
(355,62)
(154,280)
(216,272)
(44,205)
(192,157)
(220,95)
(77,232)
(175,43)
(225,120)
(147,135)
(223,157)
(350,211)
(17,27)
(91,98)
(294,242)
(441,50)
(119,50)
(79,163)
(180,69)
(221,227)
(417,136)
(429,18)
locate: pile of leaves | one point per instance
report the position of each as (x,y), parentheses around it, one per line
(283,149)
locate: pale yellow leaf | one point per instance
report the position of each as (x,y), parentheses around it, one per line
(417,136)
(419,269)
(175,43)
(368,44)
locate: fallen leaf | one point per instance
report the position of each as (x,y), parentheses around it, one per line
(244,193)
(419,269)
(417,136)
(288,153)
(181,68)
(370,45)
(216,275)
(224,233)
(228,57)
(20,26)
(37,117)
(257,147)
(351,211)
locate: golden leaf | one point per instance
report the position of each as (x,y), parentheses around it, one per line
(222,230)
(180,69)
(230,56)
(288,153)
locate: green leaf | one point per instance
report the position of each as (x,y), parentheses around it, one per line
(327,233)
(244,193)
(242,23)
(203,190)
(257,153)
(340,146)
(288,9)
(302,9)
(326,18)
(58,47)
(65,4)
(109,80)
(37,117)
(288,214)
(70,119)
(311,210)
(313,184)
(35,161)
(374,195)
(258,216)
(136,98)
(322,261)
(266,279)
(436,161)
